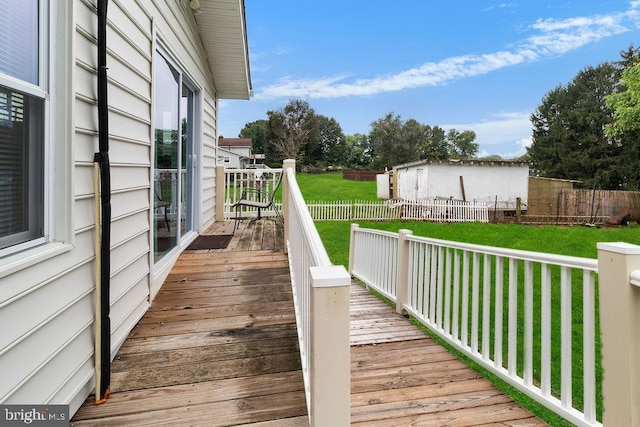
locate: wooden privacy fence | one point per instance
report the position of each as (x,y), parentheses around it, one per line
(355,175)
(378,210)
(570,206)
(598,203)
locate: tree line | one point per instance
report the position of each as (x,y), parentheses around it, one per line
(587,130)
(296,131)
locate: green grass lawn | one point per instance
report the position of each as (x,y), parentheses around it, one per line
(575,241)
(330,186)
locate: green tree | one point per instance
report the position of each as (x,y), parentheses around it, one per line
(333,147)
(493,158)
(624,130)
(359,151)
(258,132)
(568,130)
(290,129)
(436,146)
(462,144)
(393,142)
(625,103)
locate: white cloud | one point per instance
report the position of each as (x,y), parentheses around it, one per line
(559,36)
(511,129)
(552,37)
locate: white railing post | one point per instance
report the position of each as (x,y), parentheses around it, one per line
(220,192)
(620,329)
(352,244)
(330,360)
(287,164)
(402,273)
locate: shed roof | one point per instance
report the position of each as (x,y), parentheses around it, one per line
(460,162)
(223,32)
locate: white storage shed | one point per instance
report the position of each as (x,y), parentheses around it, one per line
(469,180)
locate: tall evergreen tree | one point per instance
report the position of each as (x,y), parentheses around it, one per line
(332,144)
(581,132)
(568,137)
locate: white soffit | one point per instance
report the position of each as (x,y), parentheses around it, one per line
(224,34)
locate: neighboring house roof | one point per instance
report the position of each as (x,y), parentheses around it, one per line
(458,162)
(223,32)
(234,142)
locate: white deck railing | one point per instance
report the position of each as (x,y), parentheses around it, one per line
(321,299)
(231,185)
(505,309)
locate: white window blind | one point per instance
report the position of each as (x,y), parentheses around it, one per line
(21,168)
(19,35)
(21,124)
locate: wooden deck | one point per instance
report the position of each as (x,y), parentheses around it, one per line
(219,347)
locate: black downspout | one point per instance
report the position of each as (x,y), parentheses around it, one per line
(102,158)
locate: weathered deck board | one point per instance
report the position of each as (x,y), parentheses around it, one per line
(400,376)
(219,347)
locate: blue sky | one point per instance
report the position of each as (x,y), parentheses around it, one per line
(478,65)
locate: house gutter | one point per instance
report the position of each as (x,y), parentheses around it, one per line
(103,257)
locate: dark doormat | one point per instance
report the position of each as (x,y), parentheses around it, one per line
(219,241)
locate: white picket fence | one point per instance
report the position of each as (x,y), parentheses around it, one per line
(379,210)
(233,183)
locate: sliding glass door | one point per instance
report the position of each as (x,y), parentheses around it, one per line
(173,186)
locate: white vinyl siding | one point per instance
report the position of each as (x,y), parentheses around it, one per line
(47,308)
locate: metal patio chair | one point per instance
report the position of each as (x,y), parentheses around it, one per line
(256,197)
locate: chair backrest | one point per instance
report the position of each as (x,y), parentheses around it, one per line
(273,192)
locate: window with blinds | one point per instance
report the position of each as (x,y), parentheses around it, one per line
(21,168)
(19,35)
(21,125)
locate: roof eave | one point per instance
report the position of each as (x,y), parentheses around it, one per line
(223,31)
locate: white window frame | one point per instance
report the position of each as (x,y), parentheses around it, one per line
(55,86)
(163,48)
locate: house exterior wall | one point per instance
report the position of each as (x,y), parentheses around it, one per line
(482,182)
(47,294)
(229,159)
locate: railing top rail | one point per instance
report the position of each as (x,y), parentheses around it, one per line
(254,171)
(318,252)
(379,232)
(562,260)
